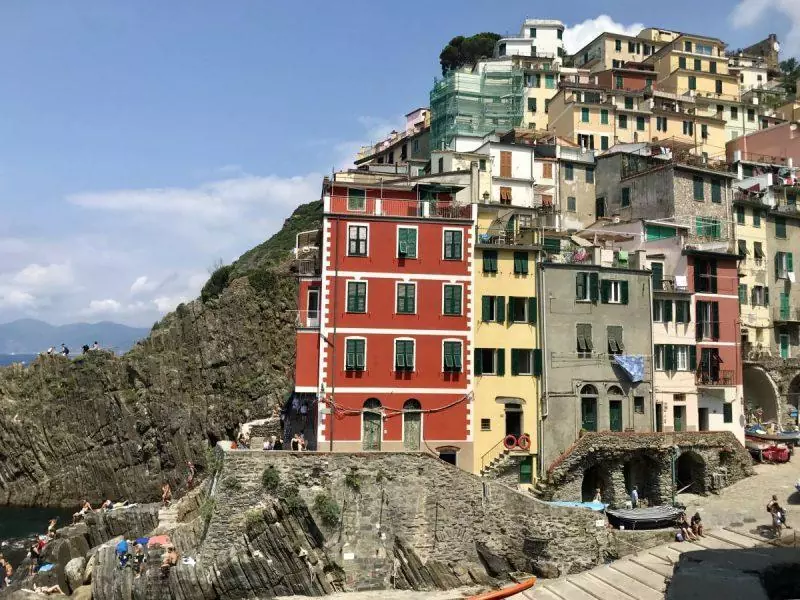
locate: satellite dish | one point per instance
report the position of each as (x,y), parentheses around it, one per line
(776,46)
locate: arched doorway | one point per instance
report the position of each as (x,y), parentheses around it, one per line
(589,407)
(793,398)
(597,477)
(614,394)
(412,425)
(761,400)
(371,425)
(643,472)
(690,473)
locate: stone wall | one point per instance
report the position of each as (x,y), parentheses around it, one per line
(773,384)
(614,462)
(409,507)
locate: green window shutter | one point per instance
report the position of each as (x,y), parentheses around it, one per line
(594,286)
(698,188)
(399,355)
(512,301)
(486,308)
(537,362)
(490,261)
(501,362)
(667,311)
(350,361)
(692,358)
(360,354)
(500,303)
(679,311)
(699,318)
(409,354)
(716,190)
(362,297)
(742,293)
(712,270)
(351,298)
(657,270)
(789,264)
(456,354)
(715,320)
(532,310)
(448,300)
(515,356)
(766,296)
(605,291)
(521,263)
(623,292)
(669,357)
(478,366)
(580,286)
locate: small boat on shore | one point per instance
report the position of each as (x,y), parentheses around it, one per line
(651,517)
(759,432)
(764,451)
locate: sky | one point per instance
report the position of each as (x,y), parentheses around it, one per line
(144,141)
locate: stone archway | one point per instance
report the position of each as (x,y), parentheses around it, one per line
(690,470)
(793,395)
(598,476)
(643,472)
(760,392)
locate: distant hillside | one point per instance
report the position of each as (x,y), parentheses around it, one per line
(29,336)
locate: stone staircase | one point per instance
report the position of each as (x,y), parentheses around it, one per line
(167,519)
(640,576)
(497,464)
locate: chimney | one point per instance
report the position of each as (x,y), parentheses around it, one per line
(474,182)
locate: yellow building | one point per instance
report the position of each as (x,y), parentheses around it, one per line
(789,111)
(507,362)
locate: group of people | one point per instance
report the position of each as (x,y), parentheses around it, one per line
(125,557)
(297,444)
(6,571)
(64,351)
(689,530)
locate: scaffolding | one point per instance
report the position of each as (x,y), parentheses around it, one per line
(475,103)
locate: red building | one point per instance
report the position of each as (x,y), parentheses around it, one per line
(383,336)
(714,279)
(631,76)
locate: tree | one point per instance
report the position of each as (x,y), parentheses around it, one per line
(462,51)
(790,68)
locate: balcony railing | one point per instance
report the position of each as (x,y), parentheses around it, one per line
(714,377)
(307,319)
(786,314)
(433,209)
(669,284)
(307,267)
(788,208)
(494,237)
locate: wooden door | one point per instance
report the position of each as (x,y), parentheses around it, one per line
(615,415)
(412,429)
(659,417)
(505,164)
(371,425)
(678,417)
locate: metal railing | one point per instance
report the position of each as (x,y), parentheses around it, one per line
(714,377)
(434,209)
(667,284)
(501,237)
(307,267)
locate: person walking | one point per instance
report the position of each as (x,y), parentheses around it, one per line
(634,497)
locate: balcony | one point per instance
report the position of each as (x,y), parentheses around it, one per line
(307,319)
(671,284)
(391,207)
(714,377)
(500,237)
(786,314)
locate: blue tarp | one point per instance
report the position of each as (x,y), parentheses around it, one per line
(46,567)
(597,506)
(632,364)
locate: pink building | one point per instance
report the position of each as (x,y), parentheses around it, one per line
(780,141)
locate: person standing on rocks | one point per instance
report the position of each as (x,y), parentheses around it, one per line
(190,475)
(634,497)
(166,495)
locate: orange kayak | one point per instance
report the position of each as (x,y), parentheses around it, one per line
(506,592)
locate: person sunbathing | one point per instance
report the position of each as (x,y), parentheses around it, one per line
(47,591)
(170,560)
(85,509)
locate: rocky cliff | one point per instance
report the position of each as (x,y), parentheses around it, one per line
(103,426)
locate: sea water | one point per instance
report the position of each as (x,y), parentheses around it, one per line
(20,526)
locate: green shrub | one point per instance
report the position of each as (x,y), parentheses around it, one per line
(215,285)
(262,280)
(207,509)
(253,516)
(291,498)
(182,311)
(213,461)
(381,476)
(270,479)
(353,481)
(328,509)
(231,484)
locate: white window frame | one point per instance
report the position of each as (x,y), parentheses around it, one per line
(681,358)
(394,352)
(318,292)
(708,326)
(530,360)
(441,353)
(660,317)
(784,274)
(759,294)
(463,235)
(344,358)
(460,285)
(397,242)
(366,296)
(355,224)
(416,296)
(615,291)
(658,357)
(494,363)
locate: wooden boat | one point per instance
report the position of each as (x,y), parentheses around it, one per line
(764,451)
(651,517)
(760,433)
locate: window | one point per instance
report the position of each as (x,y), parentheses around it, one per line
(571,204)
(536,80)
(569,171)
(688,128)
(356,200)
(759,296)
(584,340)
(756,218)
(703,49)
(550,82)
(357,296)
(486,424)
(740,213)
(628,102)
(505,164)
(532,104)
(584,115)
(780,227)
(355,354)
(687,46)
(505,195)
(705,275)
(604,142)
(589,174)
(718,86)
(490,361)
(482,164)
(618,45)
(669,357)
(618,82)
(783,265)
(452,356)
(657,274)
(614,334)
(658,310)
(640,123)
(623,121)
(521,263)
(742,293)
(661,123)
(727,412)
(547,170)
(682,62)
(604,116)
(493,309)
(698,64)
(586,287)
(632,47)
(707,320)
(751,114)
(559,33)
(708,228)
(646,50)
(521,310)
(716,191)
(451,299)
(734,112)
(626,197)
(407,242)
(404,355)
(406,298)
(533,32)
(522,361)
(758,251)
(490,261)
(682,311)
(441,165)
(698,188)
(415,146)
(692,82)
(357,240)
(743,251)
(452,244)
(704,131)
(613,291)
(638,405)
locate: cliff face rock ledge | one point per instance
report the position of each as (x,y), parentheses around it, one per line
(103,426)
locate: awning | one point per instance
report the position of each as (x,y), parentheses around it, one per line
(743,248)
(758,250)
(633,365)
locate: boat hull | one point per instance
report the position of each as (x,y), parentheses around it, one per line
(655,517)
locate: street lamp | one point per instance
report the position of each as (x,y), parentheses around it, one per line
(676,452)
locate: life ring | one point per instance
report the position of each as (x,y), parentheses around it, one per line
(509,442)
(524,441)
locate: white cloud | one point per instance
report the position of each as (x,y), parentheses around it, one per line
(11,298)
(44,276)
(748,12)
(142,285)
(106,306)
(577,36)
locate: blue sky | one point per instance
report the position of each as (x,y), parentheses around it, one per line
(143,140)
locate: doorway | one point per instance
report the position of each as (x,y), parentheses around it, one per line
(702,419)
(679,417)
(600,207)
(313,308)
(615,415)
(659,417)
(371,425)
(412,425)
(514,420)
(589,408)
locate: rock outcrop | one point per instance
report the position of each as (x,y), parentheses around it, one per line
(102,426)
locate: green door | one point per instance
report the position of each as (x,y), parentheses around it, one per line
(678,417)
(784,305)
(589,414)
(526,470)
(412,425)
(784,340)
(615,415)
(371,427)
